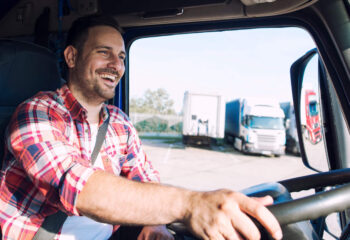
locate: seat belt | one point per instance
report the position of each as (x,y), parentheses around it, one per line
(53,223)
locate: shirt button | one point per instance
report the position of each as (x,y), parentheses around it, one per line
(86,130)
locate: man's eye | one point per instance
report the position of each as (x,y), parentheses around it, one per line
(122,57)
(103,52)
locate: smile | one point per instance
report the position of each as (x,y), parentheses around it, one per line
(108,76)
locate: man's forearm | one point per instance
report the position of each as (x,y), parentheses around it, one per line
(116,200)
(220,214)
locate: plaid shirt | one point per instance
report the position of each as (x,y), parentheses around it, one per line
(47,160)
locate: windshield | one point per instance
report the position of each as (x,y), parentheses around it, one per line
(313,108)
(265,122)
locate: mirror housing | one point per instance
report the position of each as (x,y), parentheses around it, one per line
(297,71)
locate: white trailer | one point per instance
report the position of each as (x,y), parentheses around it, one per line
(203,118)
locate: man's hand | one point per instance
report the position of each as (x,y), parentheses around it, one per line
(223,214)
(155,233)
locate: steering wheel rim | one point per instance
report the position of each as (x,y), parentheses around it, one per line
(310,207)
(318,180)
(317,205)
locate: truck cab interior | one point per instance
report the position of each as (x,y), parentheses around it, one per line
(32,38)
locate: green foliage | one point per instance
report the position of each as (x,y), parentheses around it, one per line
(177,127)
(154,124)
(156,102)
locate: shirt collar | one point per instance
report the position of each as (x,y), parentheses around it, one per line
(76,110)
(104,114)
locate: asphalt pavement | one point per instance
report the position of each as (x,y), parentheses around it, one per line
(216,167)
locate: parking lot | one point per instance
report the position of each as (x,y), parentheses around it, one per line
(209,168)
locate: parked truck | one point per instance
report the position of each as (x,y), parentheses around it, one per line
(310,116)
(255,126)
(292,140)
(203,118)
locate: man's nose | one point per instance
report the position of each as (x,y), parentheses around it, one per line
(116,63)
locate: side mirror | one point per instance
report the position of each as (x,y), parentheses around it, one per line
(305,75)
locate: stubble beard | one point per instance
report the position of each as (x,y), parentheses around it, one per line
(105,94)
(93,91)
(97,93)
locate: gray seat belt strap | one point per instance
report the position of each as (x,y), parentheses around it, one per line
(99,140)
(53,223)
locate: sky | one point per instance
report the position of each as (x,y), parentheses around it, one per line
(235,64)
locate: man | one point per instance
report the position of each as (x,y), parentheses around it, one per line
(48,168)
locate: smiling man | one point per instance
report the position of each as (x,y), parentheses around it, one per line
(48,167)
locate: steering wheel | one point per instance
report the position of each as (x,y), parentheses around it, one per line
(307,208)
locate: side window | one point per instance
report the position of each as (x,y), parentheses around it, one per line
(214,110)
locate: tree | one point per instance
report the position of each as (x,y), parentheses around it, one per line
(157,102)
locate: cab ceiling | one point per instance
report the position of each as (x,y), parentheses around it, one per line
(24,14)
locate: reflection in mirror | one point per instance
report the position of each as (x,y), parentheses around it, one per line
(311,118)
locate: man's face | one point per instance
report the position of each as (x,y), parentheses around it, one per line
(99,66)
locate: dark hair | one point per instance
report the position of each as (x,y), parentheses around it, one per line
(78,33)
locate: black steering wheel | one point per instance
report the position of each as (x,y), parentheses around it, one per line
(319,204)
(289,211)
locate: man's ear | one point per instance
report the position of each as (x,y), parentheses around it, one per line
(70,55)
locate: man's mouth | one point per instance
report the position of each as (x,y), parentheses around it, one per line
(108,77)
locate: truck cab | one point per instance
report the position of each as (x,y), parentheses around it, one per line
(327,23)
(256,126)
(312,126)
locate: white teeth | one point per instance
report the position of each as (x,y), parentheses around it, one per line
(111,77)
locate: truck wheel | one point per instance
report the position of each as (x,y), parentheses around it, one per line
(243,148)
(225,139)
(184,140)
(240,147)
(295,150)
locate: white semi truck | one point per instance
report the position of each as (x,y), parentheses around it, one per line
(203,118)
(255,126)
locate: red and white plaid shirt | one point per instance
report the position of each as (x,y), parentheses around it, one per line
(47,161)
